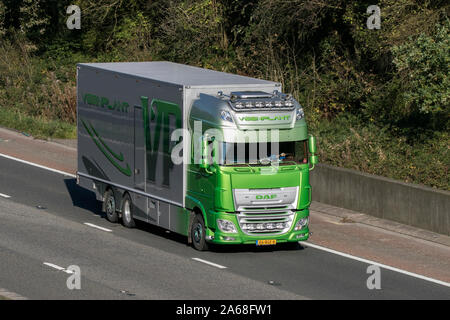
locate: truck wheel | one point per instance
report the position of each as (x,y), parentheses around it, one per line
(110,207)
(198,233)
(127,212)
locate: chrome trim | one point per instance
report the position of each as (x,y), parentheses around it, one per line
(275,217)
(246,199)
(250,95)
(253,210)
(262,109)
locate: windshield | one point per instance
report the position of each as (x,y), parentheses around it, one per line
(283,153)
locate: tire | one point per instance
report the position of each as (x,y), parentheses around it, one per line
(110,207)
(127,212)
(198,233)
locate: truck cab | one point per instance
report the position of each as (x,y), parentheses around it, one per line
(213,156)
(249,171)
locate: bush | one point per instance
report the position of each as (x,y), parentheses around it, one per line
(193,31)
(351,142)
(377,99)
(416,98)
(423,68)
(36,86)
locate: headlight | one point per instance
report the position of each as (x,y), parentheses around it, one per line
(225,115)
(288,103)
(226,226)
(302,223)
(300,114)
(239,105)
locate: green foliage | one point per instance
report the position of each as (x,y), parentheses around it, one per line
(377,99)
(134,32)
(35,86)
(350,142)
(38,127)
(2,19)
(33,19)
(416,95)
(193,31)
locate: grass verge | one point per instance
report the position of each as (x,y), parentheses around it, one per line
(349,142)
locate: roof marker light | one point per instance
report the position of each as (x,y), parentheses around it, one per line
(226,116)
(239,105)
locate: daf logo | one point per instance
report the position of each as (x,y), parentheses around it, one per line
(265,196)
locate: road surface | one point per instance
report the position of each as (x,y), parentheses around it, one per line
(47,222)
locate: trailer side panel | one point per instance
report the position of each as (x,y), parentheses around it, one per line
(107,134)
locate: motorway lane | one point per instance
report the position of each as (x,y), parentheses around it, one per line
(155,264)
(111,266)
(23,273)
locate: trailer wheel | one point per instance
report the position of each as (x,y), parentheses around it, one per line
(110,206)
(198,233)
(127,212)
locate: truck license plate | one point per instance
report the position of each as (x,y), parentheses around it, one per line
(265,242)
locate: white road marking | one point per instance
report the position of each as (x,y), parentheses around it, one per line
(11,295)
(222,267)
(4,195)
(411,274)
(54,266)
(97,227)
(37,165)
(210,263)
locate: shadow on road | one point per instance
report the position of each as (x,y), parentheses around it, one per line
(83,198)
(255,249)
(172,236)
(160,232)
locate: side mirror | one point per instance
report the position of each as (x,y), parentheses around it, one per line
(312,144)
(204,163)
(313,159)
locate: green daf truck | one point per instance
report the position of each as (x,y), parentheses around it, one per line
(217,157)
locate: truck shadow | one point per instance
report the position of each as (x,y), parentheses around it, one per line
(172,236)
(254,249)
(83,198)
(240,248)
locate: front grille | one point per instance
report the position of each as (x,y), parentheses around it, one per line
(254,209)
(270,223)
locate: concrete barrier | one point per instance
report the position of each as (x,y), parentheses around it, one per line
(411,204)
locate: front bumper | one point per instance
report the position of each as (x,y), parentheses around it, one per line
(215,235)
